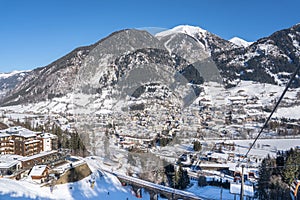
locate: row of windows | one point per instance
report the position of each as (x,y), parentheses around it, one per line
(4,138)
(6,144)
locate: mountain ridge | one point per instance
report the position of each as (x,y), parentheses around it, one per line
(270,59)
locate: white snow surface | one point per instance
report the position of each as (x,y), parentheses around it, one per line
(290,112)
(6,75)
(186,29)
(240,42)
(106,187)
(210,192)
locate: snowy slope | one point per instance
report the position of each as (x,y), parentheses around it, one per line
(9,81)
(264,93)
(197,34)
(240,42)
(6,75)
(106,187)
(268,60)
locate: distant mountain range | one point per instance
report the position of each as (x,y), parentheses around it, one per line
(8,81)
(193,53)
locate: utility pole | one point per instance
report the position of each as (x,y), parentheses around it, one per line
(173,194)
(221,193)
(242,183)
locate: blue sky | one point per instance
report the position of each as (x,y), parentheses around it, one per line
(34,33)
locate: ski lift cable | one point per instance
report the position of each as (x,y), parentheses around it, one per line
(274,109)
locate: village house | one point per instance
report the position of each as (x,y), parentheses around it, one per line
(218,157)
(15,166)
(39,173)
(49,141)
(9,164)
(48,157)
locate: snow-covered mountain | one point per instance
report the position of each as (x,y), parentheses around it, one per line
(8,81)
(269,60)
(99,66)
(196,54)
(48,82)
(208,41)
(240,42)
(185,29)
(197,46)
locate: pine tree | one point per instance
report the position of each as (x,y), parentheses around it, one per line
(292,167)
(275,175)
(171,175)
(181,178)
(264,178)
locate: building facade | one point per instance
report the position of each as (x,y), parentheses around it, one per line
(21,141)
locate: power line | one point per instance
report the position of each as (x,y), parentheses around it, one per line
(274,109)
(282,167)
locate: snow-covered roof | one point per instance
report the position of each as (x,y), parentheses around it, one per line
(219,155)
(237,98)
(38,170)
(236,189)
(9,160)
(216,165)
(3,134)
(19,131)
(48,135)
(32,141)
(37,155)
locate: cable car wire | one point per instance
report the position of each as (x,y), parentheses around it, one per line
(274,109)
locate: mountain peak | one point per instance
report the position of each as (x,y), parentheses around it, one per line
(186,29)
(240,42)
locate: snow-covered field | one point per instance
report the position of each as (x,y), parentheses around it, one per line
(218,96)
(210,192)
(106,186)
(291,112)
(263,147)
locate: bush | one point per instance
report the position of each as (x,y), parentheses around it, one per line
(202,181)
(197,146)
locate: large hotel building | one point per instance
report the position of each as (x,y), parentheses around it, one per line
(23,142)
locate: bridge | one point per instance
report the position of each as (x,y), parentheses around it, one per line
(154,189)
